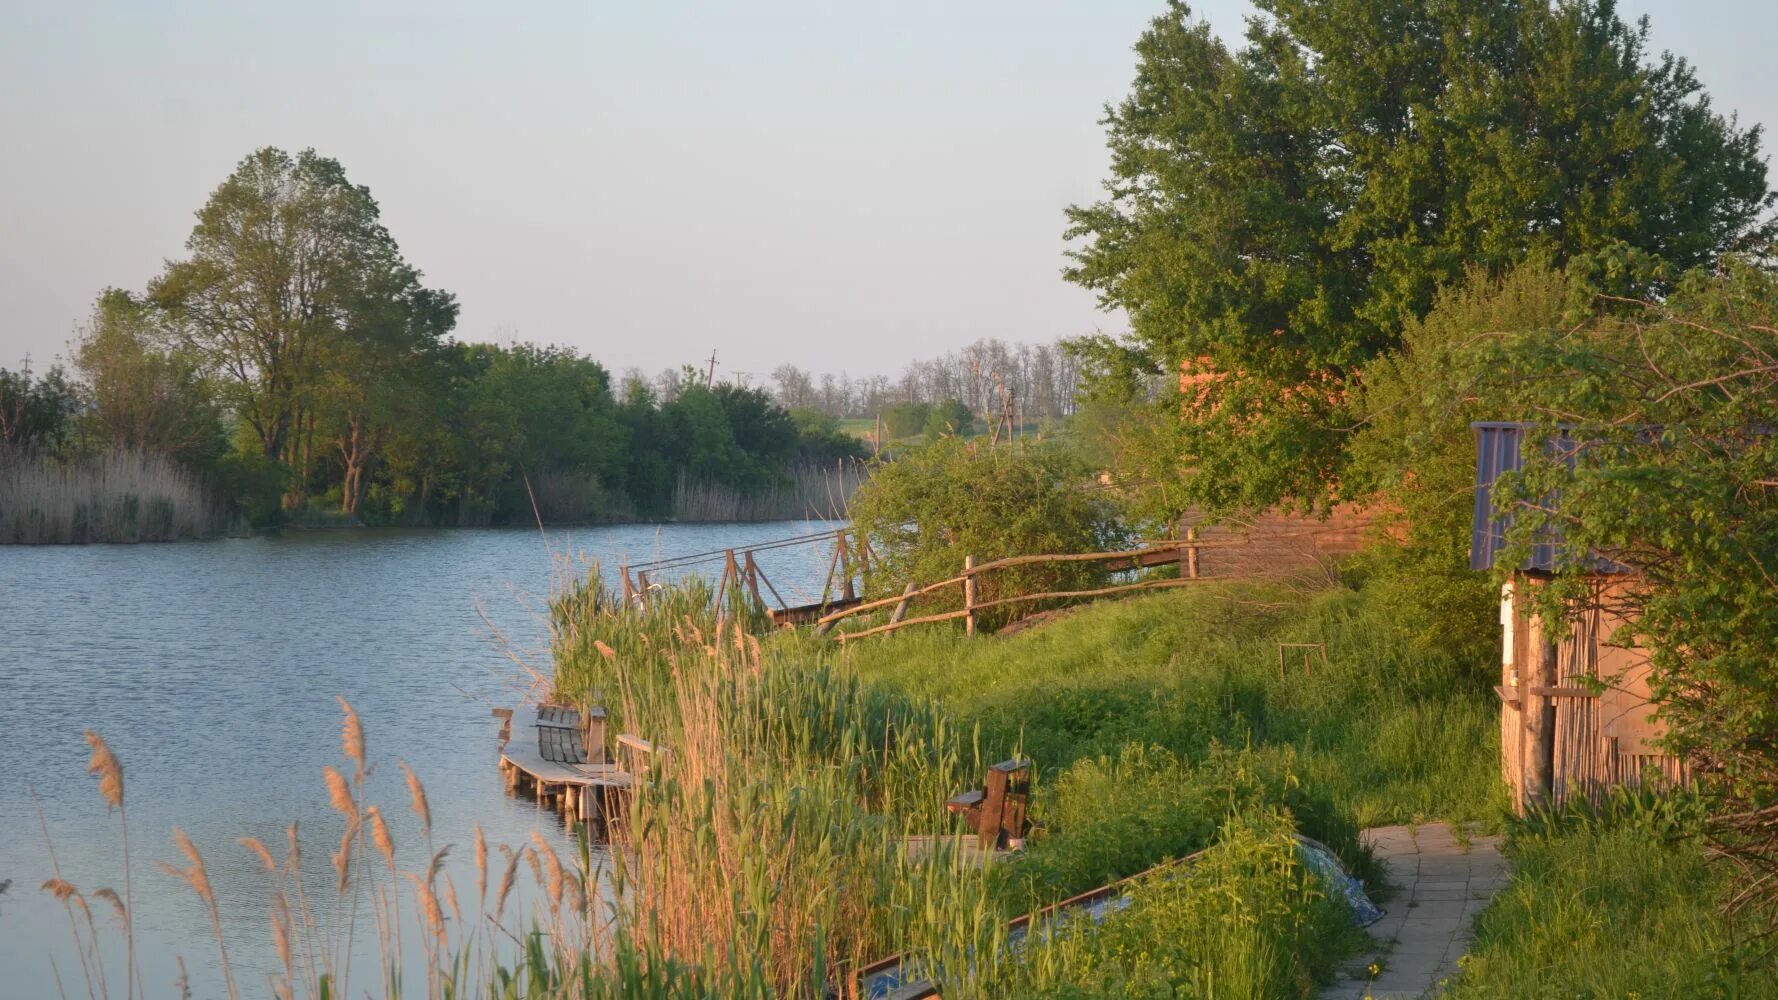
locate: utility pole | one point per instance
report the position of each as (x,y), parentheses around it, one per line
(710,376)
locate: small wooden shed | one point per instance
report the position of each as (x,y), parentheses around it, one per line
(1575,712)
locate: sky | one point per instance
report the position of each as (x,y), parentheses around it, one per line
(837,185)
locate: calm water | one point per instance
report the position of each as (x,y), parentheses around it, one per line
(211,669)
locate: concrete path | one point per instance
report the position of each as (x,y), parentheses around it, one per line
(1426,926)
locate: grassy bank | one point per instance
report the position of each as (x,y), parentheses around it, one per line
(1387,731)
(1619,902)
(1160,727)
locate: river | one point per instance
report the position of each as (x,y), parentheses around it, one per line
(212,669)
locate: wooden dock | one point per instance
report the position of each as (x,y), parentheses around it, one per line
(560,758)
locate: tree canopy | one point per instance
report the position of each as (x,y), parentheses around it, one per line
(1278,211)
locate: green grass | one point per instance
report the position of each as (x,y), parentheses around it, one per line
(1387,731)
(1620,903)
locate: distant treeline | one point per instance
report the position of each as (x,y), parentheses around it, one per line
(295,365)
(1034,382)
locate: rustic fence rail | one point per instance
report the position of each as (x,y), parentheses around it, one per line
(1183,553)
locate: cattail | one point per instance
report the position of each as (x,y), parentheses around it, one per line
(379,835)
(506,882)
(417,795)
(110,896)
(605,651)
(104,764)
(261,851)
(61,888)
(481,864)
(352,736)
(339,794)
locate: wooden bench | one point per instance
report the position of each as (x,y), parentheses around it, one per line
(997,811)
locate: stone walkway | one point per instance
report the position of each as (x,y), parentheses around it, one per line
(1426,926)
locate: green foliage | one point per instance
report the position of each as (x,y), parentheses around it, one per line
(1246,919)
(948,419)
(1620,903)
(37,412)
(1278,211)
(928,509)
(1654,449)
(906,419)
(1415,454)
(146,392)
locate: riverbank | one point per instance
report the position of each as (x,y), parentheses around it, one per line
(1159,727)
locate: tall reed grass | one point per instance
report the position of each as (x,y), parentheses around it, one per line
(811,492)
(115,496)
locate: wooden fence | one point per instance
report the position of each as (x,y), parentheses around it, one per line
(1183,553)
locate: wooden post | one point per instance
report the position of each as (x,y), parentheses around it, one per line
(1540,721)
(623,571)
(1191,553)
(969,595)
(846,591)
(642,586)
(753,580)
(901,609)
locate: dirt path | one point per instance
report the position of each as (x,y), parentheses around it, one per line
(1426,926)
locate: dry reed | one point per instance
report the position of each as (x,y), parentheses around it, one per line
(117,496)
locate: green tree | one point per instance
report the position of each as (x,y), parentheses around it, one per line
(38,412)
(147,393)
(288,260)
(904,420)
(949,418)
(1277,212)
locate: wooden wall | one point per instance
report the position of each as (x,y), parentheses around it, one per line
(1601,740)
(1275,544)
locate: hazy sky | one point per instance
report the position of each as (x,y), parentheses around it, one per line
(839,185)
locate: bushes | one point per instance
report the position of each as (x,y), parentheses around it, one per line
(924,512)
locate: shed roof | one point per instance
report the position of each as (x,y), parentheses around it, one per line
(1500,448)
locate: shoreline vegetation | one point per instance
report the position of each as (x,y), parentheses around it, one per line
(120,496)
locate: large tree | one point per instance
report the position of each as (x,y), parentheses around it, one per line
(1277,212)
(288,262)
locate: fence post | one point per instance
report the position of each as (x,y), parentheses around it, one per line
(969,595)
(1191,553)
(629,589)
(901,610)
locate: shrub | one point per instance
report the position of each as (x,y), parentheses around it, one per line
(925,511)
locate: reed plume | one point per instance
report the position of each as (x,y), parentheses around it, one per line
(198,878)
(417,798)
(352,736)
(481,864)
(339,794)
(260,851)
(105,764)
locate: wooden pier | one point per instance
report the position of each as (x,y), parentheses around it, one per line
(561,758)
